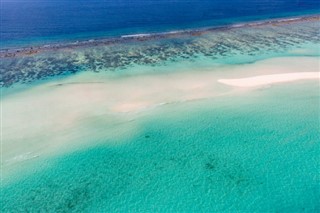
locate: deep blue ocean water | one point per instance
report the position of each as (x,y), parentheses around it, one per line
(25,21)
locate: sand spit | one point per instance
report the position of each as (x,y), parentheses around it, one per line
(263,80)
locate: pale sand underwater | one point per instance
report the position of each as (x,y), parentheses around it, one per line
(53,118)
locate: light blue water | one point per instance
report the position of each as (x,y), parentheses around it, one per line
(256,152)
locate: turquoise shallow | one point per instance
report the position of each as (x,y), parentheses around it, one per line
(255,152)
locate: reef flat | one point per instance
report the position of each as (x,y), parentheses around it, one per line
(251,39)
(13,52)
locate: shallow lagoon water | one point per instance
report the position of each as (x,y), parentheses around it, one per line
(257,151)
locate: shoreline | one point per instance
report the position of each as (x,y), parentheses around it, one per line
(32,50)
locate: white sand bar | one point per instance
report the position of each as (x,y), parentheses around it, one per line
(263,80)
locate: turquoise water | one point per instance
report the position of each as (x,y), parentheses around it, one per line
(253,152)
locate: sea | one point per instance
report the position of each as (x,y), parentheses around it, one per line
(115,106)
(24,22)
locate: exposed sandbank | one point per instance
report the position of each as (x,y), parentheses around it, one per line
(270,79)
